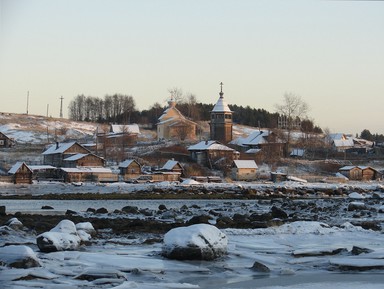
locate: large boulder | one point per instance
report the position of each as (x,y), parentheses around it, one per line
(195,242)
(62,237)
(18,257)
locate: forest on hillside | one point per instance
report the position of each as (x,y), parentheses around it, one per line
(121,109)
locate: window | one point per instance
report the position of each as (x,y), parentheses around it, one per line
(1,142)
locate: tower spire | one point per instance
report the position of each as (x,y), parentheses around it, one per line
(221,90)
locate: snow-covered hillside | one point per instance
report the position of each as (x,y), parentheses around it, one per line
(36,129)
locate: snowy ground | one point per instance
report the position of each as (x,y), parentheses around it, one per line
(304,254)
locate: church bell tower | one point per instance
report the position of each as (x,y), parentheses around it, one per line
(221,120)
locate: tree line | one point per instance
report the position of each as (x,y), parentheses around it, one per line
(121,109)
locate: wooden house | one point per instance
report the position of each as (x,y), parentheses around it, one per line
(244,170)
(173,125)
(360,173)
(88,174)
(83,160)
(56,154)
(130,169)
(209,153)
(172,166)
(21,173)
(44,172)
(5,141)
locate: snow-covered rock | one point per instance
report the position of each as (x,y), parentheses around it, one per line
(195,242)
(356,196)
(18,257)
(62,237)
(14,223)
(86,227)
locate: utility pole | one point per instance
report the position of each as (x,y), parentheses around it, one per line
(47,109)
(61,106)
(27,101)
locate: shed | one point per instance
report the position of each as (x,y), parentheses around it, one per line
(172,166)
(5,141)
(360,173)
(244,170)
(21,173)
(87,174)
(208,152)
(130,169)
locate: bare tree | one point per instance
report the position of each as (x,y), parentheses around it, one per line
(293,108)
(176,93)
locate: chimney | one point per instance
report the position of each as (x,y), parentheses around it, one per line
(57,145)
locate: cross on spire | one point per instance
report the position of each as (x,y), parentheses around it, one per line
(221,89)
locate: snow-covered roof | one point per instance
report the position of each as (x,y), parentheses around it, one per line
(255,138)
(221,106)
(253,151)
(347,168)
(16,167)
(41,167)
(343,142)
(169,165)
(59,148)
(126,163)
(209,145)
(75,157)
(87,170)
(245,164)
(125,128)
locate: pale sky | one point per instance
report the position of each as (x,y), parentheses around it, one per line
(331,53)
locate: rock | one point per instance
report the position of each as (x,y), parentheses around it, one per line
(356,196)
(47,208)
(202,219)
(130,210)
(196,242)
(21,257)
(70,212)
(100,273)
(259,267)
(162,207)
(62,237)
(278,213)
(14,223)
(102,211)
(355,206)
(357,250)
(2,210)
(86,227)
(91,210)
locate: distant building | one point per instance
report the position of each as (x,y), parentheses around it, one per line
(130,169)
(172,166)
(118,136)
(209,153)
(5,141)
(58,154)
(244,170)
(173,125)
(221,120)
(360,173)
(21,173)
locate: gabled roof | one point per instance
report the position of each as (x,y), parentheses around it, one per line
(4,135)
(127,128)
(245,164)
(256,138)
(127,163)
(16,167)
(60,148)
(170,164)
(209,145)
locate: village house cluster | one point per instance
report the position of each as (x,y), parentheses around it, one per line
(75,162)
